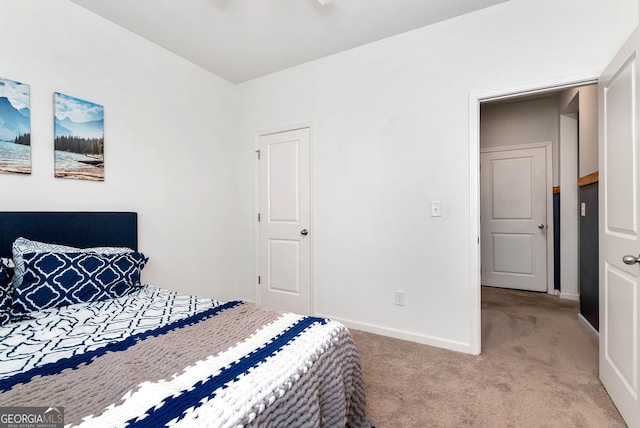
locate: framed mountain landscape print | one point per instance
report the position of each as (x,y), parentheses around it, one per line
(15,127)
(79,138)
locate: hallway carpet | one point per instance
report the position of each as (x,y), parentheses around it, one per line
(538,368)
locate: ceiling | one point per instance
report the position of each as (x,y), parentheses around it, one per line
(240,40)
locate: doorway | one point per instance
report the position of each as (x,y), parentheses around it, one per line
(568,118)
(476,99)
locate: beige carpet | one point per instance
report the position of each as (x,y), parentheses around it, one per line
(538,368)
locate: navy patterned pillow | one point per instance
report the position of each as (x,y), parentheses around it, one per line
(5,294)
(23,246)
(52,280)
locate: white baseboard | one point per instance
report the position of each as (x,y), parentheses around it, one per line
(587,325)
(452,345)
(569,296)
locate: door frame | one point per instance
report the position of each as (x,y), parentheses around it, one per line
(548,155)
(475,98)
(256,206)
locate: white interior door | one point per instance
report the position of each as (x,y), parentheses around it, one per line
(285,235)
(619,217)
(513,218)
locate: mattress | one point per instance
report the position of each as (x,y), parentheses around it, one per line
(161,358)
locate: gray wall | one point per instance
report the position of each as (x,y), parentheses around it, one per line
(521,122)
(589,268)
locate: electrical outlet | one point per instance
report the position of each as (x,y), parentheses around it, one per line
(399,297)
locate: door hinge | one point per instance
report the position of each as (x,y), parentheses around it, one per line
(258,216)
(258,279)
(258,152)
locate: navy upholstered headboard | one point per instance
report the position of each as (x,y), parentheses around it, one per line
(77,229)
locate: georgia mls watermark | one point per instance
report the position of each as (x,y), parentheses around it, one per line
(31,417)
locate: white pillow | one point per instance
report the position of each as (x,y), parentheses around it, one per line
(24,246)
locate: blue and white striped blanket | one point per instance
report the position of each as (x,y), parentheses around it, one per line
(160,358)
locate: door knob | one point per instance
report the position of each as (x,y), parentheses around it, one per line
(630,260)
(541,226)
(304,232)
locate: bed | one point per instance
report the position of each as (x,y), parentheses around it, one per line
(147,356)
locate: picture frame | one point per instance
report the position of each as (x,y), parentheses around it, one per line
(78,138)
(15,127)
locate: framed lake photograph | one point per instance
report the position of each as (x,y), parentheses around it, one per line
(15,127)
(78,138)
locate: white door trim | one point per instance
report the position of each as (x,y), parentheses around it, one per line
(549,198)
(475,98)
(256,204)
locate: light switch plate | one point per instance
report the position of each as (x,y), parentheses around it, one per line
(583,209)
(435,209)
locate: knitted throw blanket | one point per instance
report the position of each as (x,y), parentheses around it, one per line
(223,365)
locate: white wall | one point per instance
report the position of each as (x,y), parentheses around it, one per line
(521,122)
(588,124)
(587,121)
(169,138)
(391,133)
(569,216)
